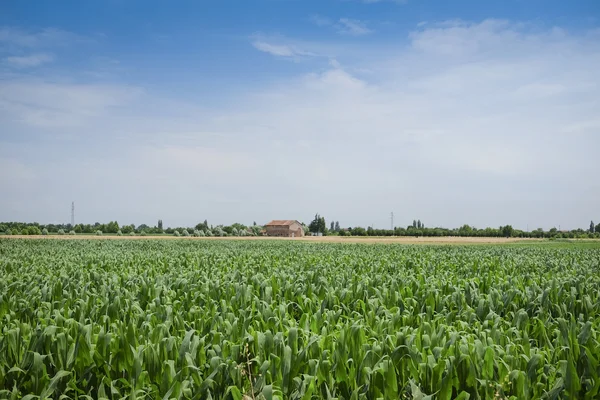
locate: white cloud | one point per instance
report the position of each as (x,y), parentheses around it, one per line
(281,50)
(344,26)
(319,20)
(352,27)
(32,60)
(46,104)
(482,123)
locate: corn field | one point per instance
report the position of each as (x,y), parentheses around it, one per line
(116,319)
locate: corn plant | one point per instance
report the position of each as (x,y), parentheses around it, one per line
(162,319)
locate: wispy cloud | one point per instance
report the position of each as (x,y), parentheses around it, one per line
(281,50)
(320,20)
(49,105)
(15,37)
(344,26)
(32,60)
(352,27)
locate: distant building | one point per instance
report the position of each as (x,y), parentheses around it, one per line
(284,228)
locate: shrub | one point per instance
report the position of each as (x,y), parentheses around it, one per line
(186,233)
(218,231)
(201,233)
(61,232)
(44,231)
(131,233)
(176,233)
(209,233)
(119,233)
(8,232)
(98,233)
(143,233)
(235,232)
(72,233)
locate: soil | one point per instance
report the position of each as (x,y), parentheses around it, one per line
(313,239)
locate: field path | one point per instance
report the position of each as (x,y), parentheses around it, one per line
(313,239)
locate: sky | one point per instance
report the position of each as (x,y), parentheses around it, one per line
(452,112)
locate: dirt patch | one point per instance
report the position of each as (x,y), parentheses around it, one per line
(313,239)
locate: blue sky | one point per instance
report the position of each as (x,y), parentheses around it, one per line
(449,111)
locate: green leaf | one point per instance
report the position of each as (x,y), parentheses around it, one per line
(285,368)
(235,392)
(572,383)
(268,392)
(54,383)
(488,364)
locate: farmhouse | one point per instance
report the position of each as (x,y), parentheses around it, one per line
(284,228)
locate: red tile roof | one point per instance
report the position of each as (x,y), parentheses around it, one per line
(281,222)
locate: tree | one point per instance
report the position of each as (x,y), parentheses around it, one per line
(332,226)
(313,227)
(465,230)
(202,226)
(337,226)
(142,228)
(507,231)
(414,224)
(592,227)
(306,229)
(32,230)
(112,227)
(419,224)
(160,224)
(358,231)
(597,229)
(322,225)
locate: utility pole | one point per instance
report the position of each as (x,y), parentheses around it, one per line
(392,218)
(72,214)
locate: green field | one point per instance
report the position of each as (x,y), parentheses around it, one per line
(277,319)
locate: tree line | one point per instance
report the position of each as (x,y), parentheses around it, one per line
(113,227)
(417,229)
(318,226)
